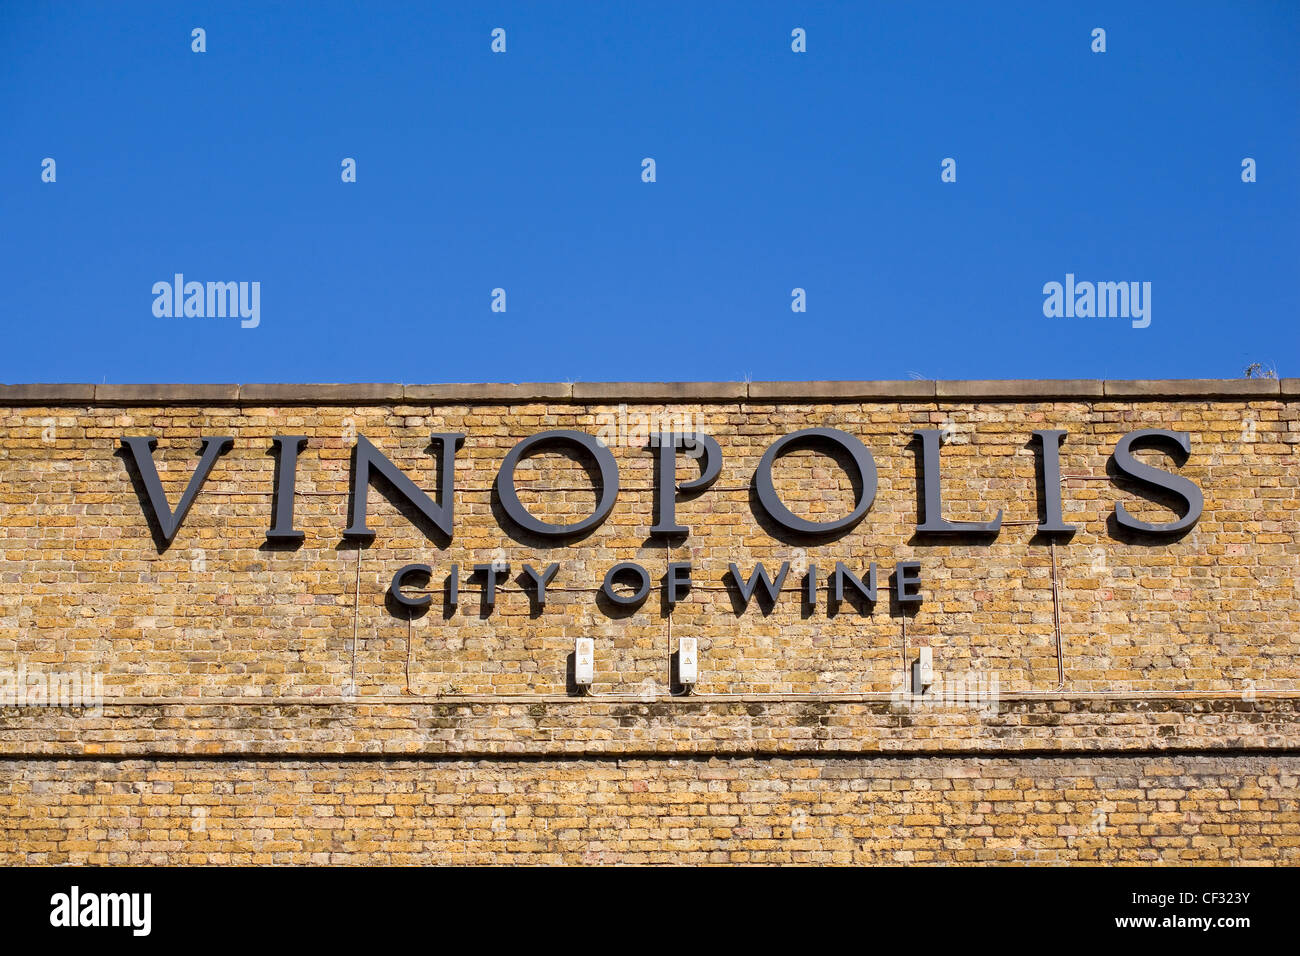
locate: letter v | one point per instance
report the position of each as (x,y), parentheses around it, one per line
(169,522)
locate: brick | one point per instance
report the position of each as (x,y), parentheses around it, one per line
(232,728)
(504,813)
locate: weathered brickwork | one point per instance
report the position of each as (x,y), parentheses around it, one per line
(908,810)
(1178,658)
(624,727)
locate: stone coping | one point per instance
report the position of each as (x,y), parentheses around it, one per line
(602,393)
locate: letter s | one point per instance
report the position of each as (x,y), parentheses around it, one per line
(1155,478)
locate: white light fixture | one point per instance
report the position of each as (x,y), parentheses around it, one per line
(922,670)
(584,661)
(687,661)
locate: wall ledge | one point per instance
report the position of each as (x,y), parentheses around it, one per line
(614,393)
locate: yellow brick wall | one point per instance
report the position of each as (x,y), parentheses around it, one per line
(220,644)
(218,614)
(1167,810)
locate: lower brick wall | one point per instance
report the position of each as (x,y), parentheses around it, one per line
(1139,809)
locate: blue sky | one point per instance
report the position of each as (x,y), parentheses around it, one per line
(522,171)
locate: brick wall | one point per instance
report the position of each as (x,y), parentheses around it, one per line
(1180,657)
(1172,809)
